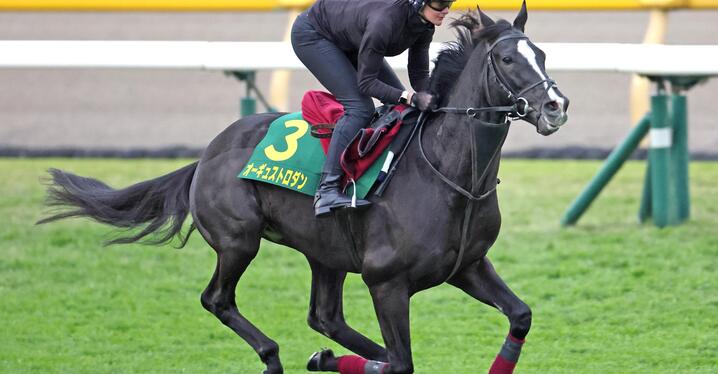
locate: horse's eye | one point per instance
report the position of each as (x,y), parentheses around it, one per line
(507,60)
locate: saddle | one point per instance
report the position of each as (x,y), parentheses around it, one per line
(321,110)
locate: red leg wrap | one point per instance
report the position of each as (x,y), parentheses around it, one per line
(519,341)
(502,366)
(351,364)
(505,361)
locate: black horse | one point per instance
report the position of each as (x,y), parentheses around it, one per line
(433,224)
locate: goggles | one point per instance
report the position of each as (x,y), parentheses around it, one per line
(440,5)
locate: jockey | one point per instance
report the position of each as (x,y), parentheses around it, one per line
(343,43)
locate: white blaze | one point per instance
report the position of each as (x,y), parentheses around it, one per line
(530,56)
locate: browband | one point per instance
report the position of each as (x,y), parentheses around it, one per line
(506,37)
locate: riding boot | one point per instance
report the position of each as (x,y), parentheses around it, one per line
(329,195)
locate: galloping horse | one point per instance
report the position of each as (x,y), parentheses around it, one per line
(433,224)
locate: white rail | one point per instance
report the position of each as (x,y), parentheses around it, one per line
(658,60)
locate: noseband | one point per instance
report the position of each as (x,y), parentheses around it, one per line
(520,107)
(515,98)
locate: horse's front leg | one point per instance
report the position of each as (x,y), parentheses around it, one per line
(481,282)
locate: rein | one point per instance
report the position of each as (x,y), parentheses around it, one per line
(475,112)
(511,112)
(468,194)
(475,183)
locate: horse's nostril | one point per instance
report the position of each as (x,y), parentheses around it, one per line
(553,106)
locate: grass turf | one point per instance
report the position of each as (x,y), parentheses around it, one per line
(609,295)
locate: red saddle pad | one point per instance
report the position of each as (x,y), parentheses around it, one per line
(319,108)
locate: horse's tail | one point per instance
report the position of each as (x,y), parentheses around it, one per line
(158,205)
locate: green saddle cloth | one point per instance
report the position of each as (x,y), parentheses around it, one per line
(290,157)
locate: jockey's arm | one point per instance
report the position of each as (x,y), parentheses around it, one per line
(370,61)
(418,65)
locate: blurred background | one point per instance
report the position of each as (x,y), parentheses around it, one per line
(115,109)
(608,295)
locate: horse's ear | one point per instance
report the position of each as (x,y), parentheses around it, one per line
(520,21)
(485,20)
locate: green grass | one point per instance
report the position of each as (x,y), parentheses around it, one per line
(609,295)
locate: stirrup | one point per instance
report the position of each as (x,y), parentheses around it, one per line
(326,209)
(340,201)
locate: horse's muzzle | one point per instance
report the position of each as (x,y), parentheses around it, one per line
(553,116)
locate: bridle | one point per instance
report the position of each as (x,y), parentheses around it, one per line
(520,106)
(510,112)
(501,80)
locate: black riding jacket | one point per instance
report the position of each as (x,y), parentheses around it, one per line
(369,30)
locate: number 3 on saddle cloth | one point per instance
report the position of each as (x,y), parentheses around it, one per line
(290,156)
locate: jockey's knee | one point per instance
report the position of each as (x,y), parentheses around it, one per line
(354,119)
(362,113)
(359,108)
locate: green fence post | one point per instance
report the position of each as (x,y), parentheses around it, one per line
(680,157)
(609,168)
(644,212)
(248,104)
(662,205)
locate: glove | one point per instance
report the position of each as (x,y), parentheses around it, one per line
(423,101)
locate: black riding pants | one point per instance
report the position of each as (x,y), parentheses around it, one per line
(337,71)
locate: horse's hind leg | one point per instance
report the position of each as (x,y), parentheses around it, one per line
(326,314)
(391,303)
(481,282)
(219,298)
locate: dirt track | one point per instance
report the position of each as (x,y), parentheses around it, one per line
(149,109)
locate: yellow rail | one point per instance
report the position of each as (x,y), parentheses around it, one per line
(142,5)
(588,4)
(266,5)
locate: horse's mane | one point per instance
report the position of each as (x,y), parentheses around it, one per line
(452,60)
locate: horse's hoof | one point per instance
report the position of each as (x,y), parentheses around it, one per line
(317,359)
